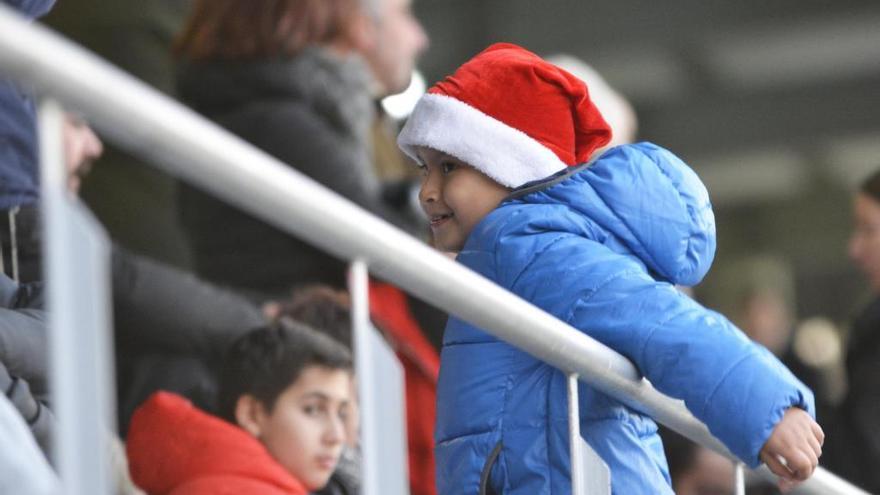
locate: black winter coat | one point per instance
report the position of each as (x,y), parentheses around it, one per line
(858,419)
(23,356)
(312,112)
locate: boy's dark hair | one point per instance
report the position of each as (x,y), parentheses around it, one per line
(871,186)
(267,360)
(323,308)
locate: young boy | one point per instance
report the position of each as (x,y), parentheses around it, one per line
(503,143)
(285,393)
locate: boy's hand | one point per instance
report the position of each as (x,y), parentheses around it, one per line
(793,449)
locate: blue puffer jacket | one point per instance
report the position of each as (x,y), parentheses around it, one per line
(599,248)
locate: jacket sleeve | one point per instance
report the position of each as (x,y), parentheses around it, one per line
(23,466)
(688,352)
(38,417)
(862,406)
(165,306)
(24,346)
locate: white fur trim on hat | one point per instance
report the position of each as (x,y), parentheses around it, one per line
(504,153)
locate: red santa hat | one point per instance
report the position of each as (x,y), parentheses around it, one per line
(509,114)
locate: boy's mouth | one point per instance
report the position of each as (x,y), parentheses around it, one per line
(327,462)
(437,220)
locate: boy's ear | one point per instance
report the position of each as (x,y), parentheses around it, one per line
(249,414)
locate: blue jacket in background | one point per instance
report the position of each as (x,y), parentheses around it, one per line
(18,135)
(599,247)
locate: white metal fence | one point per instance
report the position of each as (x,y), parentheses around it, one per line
(133,115)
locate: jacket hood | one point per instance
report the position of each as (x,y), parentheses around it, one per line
(646,202)
(171,443)
(335,86)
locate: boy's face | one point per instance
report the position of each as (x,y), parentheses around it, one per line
(306,429)
(455,196)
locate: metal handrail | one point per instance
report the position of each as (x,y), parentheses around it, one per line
(161,130)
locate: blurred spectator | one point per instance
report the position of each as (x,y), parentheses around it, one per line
(614,107)
(135,202)
(696,470)
(858,438)
(81,148)
(171,330)
(285,393)
(24,258)
(23,350)
(19,186)
(23,371)
(298,79)
(322,307)
(328,311)
(23,470)
(170,327)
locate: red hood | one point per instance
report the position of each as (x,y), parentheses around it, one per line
(171,443)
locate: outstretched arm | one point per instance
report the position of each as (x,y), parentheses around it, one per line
(737,388)
(792,452)
(165,306)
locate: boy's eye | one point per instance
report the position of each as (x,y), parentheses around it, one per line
(447,167)
(313,409)
(343,413)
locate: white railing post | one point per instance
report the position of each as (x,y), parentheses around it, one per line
(574,438)
(589,473)
(739,478)
(76,254)
(381,394)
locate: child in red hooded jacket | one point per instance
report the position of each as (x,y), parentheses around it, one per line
(285,394)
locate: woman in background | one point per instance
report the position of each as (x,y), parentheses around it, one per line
(860,411)
(289,77)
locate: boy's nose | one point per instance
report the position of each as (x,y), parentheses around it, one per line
(429,191)
(335,432)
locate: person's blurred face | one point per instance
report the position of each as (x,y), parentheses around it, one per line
(455,197)
(864,244)
(306,429)
(767,321)
(81,148)
(399,40)
(711,474)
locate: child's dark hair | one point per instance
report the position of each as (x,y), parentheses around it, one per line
(267,360)
(323,308)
